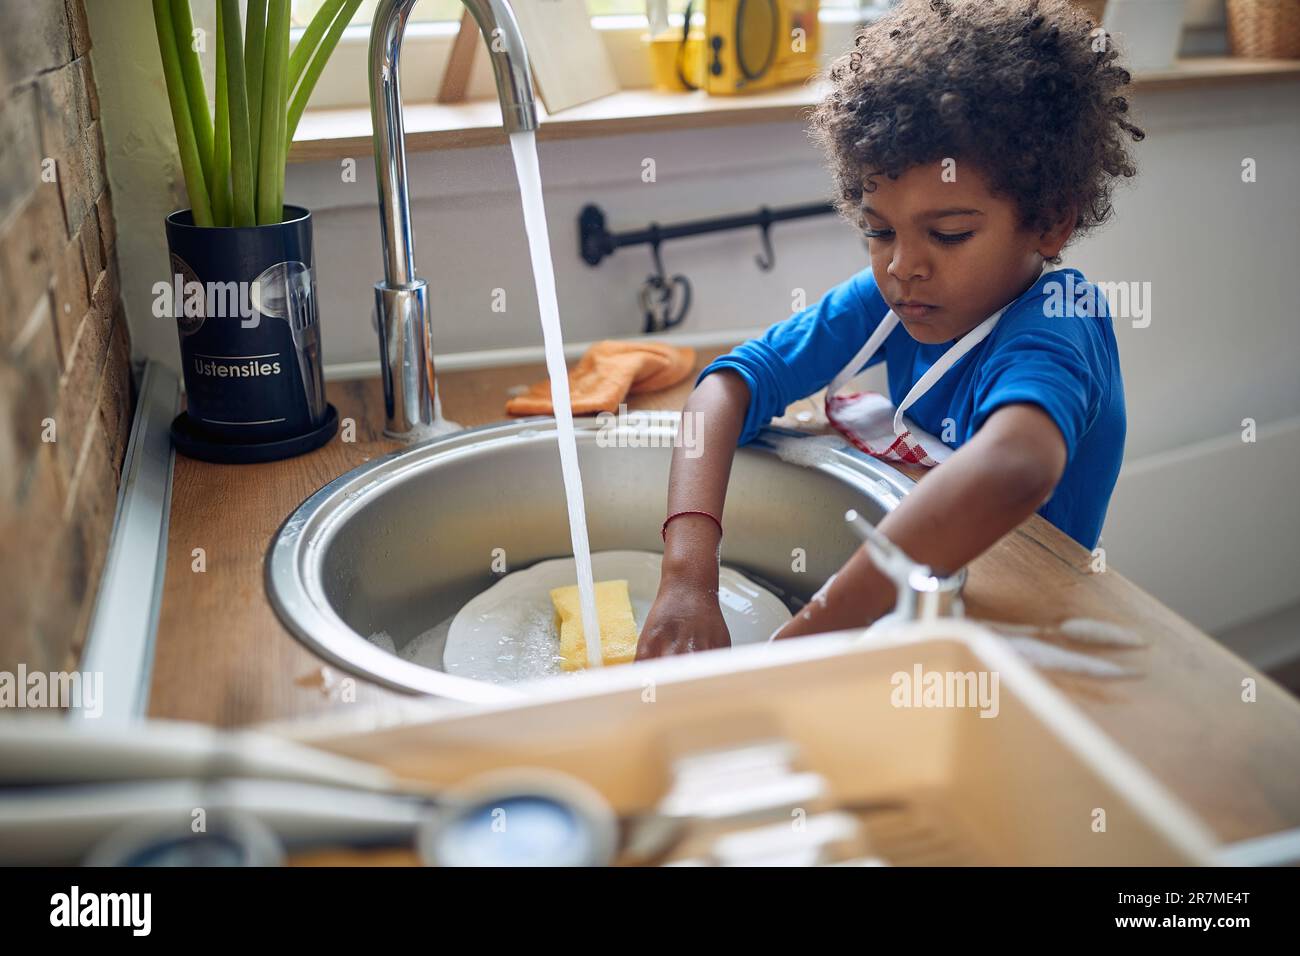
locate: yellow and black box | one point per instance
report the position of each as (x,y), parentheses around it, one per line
(753,45)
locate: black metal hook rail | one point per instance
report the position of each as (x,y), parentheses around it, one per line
(666,299)
(597,242)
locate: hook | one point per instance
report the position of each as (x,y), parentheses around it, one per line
(654,252)
(767,258)
(664,301)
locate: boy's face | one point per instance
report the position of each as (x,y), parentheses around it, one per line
(948,243)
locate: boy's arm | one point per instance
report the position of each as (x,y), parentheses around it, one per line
(686,615)
(988,487)
(735,396)
(801,354)
(698,478)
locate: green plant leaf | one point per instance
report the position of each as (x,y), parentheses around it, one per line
(219,184)
(186,143)
(282,108)
(270,167)
(242,179)
(255,52)
(192,71)
(310,38)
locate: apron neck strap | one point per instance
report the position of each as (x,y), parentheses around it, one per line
(874,342)
(954,355)
(946,361)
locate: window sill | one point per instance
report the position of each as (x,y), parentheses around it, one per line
(341,133)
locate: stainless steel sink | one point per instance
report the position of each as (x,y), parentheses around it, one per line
(402,542)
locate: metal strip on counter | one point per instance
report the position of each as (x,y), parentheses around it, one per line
(1273,849)
(120,640)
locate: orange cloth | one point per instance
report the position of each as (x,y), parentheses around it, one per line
(609,372)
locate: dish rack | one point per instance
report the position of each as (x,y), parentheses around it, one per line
(1019,778)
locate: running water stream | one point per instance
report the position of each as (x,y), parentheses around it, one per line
(524,146)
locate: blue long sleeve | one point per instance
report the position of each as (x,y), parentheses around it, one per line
(799,356)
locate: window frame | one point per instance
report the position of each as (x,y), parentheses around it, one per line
(427,46)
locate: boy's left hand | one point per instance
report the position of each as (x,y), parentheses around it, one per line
(854,597)
(989,485)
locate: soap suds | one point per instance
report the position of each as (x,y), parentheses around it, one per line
(1085,630)
(820,596)
(527,647)
(808,452)
(384,641)
(426,647)
(1081,630)
(1050,657)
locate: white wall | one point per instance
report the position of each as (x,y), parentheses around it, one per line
(1206,522)
(470,238)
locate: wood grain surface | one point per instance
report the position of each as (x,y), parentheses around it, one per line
(223,658)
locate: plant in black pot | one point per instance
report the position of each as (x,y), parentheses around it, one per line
(242,287)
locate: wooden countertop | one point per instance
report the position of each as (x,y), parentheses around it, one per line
(223,658)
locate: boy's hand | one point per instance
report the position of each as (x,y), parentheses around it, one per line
(856,596)
(684,618)
(989,485)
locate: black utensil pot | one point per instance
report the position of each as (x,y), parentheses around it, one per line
(244,300)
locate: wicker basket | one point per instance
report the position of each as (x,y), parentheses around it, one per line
(1268,29)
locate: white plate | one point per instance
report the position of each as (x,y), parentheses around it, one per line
(508,633)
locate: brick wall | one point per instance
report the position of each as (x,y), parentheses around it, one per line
(64,346)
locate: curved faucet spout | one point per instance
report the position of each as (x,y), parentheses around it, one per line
(401,299)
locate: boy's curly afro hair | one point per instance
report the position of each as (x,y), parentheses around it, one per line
(1019,88)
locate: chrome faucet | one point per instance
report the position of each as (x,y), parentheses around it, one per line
(411,408)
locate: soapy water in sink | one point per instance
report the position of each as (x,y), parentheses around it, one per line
(514,636)
(527,649)
(530,650)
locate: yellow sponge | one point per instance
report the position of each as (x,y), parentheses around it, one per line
(617,626)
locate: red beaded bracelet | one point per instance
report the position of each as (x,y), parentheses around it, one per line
(663,532)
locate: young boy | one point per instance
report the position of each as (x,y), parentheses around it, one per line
(970,141)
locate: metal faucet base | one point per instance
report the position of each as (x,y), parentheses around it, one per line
(411,411)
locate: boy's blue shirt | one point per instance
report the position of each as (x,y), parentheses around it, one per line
(1067,364)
